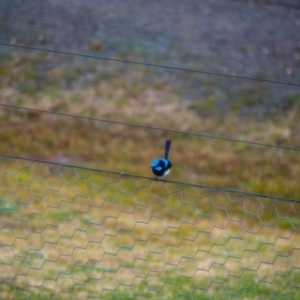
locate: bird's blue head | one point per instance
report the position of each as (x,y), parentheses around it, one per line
(159,163)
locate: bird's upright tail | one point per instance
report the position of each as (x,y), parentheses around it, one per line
(167,148)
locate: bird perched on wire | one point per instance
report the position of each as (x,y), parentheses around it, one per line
(162,166)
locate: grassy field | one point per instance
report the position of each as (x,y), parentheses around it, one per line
(70,233)
(142,96)
(73,233)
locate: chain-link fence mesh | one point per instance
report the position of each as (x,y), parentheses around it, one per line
(74,233)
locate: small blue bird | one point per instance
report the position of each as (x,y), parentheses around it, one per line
(162,166)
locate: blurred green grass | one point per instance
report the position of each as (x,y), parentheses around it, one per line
(68,232)
(114,92)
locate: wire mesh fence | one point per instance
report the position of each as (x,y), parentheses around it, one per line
(76,233)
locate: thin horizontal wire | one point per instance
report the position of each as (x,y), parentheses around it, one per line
(153,179)
(150,127)
(149,64)
(272,2)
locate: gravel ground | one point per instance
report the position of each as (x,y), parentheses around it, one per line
(245,38)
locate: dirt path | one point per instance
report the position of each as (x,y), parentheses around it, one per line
(226,36)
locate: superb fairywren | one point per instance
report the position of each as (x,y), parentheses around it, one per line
(162,166)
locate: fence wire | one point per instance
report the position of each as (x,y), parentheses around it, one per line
(149,64)
(73,233)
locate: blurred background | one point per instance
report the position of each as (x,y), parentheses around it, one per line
(209,75)
(247,51)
